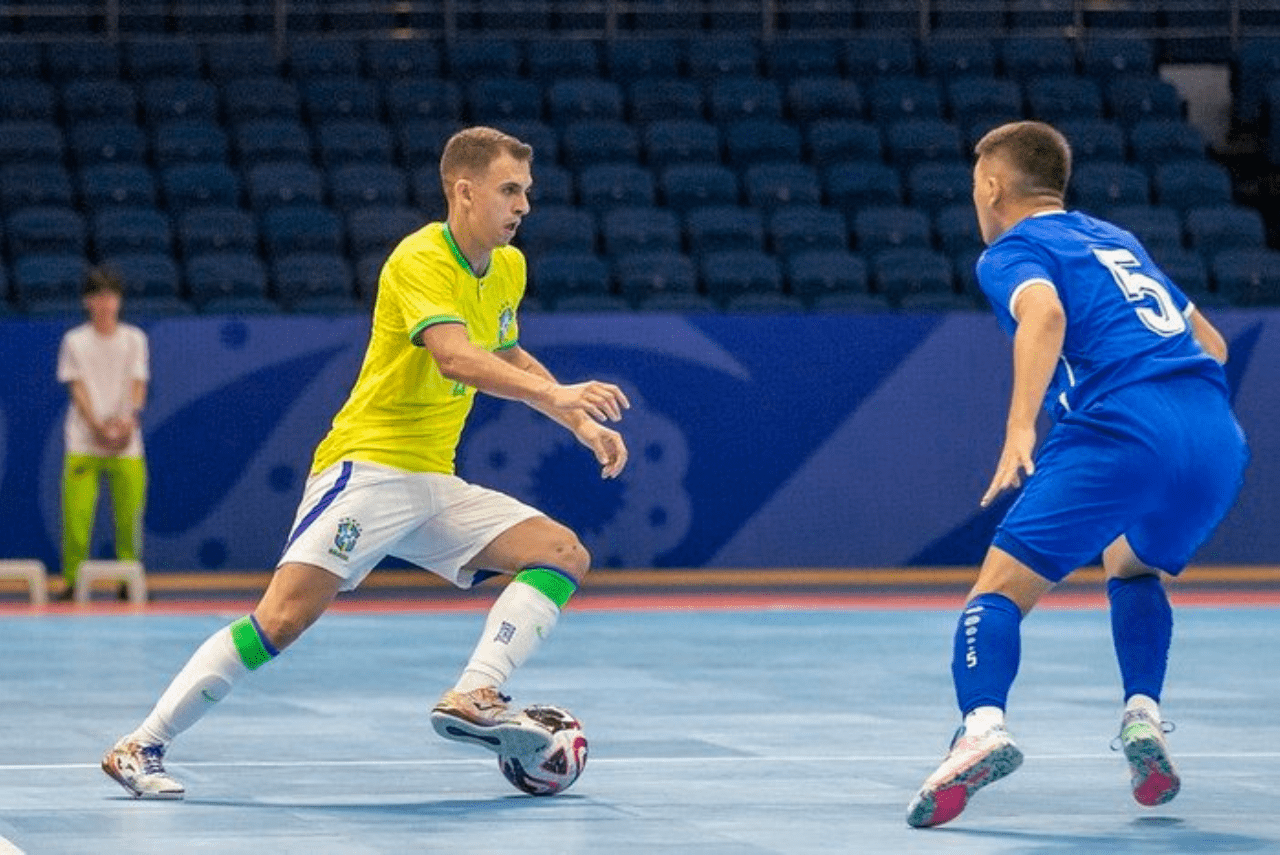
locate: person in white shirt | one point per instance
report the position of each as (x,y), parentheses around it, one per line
(105,365)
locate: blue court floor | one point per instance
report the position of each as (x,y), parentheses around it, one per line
(712,732)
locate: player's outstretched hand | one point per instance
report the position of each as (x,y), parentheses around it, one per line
(1015,459)
(600,401)
(606,444)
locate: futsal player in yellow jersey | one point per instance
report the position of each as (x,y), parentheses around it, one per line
(382,482)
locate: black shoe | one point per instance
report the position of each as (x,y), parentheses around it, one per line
(66,595)
(122,592)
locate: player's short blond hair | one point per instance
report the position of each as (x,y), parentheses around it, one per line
(1039,153)
(471,150)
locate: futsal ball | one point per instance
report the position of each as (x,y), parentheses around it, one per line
(553,768)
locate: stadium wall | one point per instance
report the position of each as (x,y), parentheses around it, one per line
(826,440)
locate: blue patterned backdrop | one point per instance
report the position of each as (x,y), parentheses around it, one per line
(822,440)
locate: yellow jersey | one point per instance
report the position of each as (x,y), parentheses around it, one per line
(402,412)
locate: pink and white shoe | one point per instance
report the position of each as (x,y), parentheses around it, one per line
(1154,778)
(971,764)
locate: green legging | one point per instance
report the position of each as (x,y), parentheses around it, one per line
(127,479)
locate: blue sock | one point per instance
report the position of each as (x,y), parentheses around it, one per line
(988,646)
(1142,629)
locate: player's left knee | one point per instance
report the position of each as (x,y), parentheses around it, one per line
(565,552)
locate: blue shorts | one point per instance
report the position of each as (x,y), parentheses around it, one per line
(1160,463)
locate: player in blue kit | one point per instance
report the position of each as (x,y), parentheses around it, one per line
(1142,462)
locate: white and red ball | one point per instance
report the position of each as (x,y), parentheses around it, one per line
(553,768)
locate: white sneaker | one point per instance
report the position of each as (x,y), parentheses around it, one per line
(971,764)
(482,718)
(140,770)
(1155,780)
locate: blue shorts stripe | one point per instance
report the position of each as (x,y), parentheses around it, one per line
(325,501)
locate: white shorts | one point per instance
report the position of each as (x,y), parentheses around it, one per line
(354,514)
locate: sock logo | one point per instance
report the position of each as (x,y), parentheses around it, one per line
(972,617)
(505,633)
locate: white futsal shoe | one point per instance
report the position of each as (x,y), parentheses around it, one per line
(971,764)
(140,770)
(481,717)
(1154,778)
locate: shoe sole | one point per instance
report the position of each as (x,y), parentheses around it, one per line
(112,772)
(1155,781)
(506,739)
(945,803)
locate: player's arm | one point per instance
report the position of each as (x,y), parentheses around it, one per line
(1037,346)
(80,400)
(605,443)
(1208,336)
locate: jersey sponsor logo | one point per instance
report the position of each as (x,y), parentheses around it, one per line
(345,539)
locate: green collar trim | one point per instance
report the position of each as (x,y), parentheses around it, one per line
(457,253)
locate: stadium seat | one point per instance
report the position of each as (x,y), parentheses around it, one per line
(556,229)
(272,140)
(1055,99)
(1025,57)
(91,59)
(153,60)
(544,139)
(312,58)
(602,186)
(30,142)
(48,276)
(952,57)
(727,274)
(1157,141)
(957,229)
(482,57)
(855,185)
(354,184)
(178,98)
(296,228)
(695,185)
(119,231)
(189,141)
(189,184)
(422,98)
(21,60)
(426,192)
(381,227)
(672,141)
(639,229)
(1189,271)
(786,60)
(402,59)
(724,56)
(574,99)
(1214,228)
(629,60)
(1107,57)
(904,274)
(665,99)
(935,184)
(241,57)
(220,275)
(810,99)
(893,99)
(750,141)
(1099,186)
(718,228)
(1093,139)
(769,186)
(817,273)
(216,228)
(343,141)
(562,59)
(1257,64)
(551,185)
(805,228)
(1133,99)
(1192,183)
(646,275)
(890,227)
(247,99)
(107,141)
(599,141)
(914,141)
(556,276)
(340,97)
(420,142)
(290,183)
(1248,277)
(129,184)
(1155,226)
(314,282)
(146,274)
(25,100)
(975,100)
(832,141)
(731,99)
(871,56)
(24,185)
(45,230)
(497,99)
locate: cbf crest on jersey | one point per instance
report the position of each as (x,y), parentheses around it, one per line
(345,539)
(506,321)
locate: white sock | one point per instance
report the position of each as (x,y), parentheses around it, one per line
(518,622)
(983,719)
(1143,702)
(206,679)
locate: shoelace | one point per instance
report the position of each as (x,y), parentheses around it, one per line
(1117,743)
(152,759)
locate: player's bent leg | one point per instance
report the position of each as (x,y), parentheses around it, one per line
(296,597)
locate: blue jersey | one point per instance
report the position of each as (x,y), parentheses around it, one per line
(1126,321)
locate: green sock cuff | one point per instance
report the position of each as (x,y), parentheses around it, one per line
(556,585)
(254,650)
